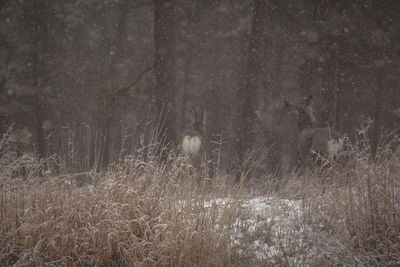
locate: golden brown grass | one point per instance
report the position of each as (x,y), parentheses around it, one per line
(356,218)
(155,213)
(136,215)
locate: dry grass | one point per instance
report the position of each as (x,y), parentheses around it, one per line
(140,214)
(356,220)
(148,212)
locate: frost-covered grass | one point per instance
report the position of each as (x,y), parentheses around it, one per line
(356,221)
(273,234)
(152,213)
(133,216)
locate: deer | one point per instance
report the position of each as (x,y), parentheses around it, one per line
(315,145)
(192,143)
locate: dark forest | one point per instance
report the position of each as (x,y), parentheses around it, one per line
(264,85)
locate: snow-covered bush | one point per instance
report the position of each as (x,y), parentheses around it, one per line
(17,158)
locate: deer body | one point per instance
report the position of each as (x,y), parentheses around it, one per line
(192,144)
(314,142)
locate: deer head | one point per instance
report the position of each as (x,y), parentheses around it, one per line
(305,115)
(198,123)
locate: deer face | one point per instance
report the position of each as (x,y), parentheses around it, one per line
(305,115)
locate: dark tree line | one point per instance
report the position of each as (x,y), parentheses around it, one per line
(87,80)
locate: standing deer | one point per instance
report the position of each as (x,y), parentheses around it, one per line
(192,144)
(314,142)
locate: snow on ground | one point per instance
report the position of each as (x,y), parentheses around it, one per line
(270,229)
(271,222)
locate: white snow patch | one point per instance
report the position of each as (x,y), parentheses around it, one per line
(269,228)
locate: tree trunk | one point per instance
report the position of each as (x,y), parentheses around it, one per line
(10,50)
(39,67)
(250,86)
(185,96)
(111,108)
(164,92)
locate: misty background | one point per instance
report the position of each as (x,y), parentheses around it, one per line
(90,80)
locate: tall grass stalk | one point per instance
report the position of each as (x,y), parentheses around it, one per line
(141,213)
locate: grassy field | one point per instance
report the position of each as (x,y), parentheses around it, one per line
(148,213)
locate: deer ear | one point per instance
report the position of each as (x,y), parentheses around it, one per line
(193,115)
(287,105)
(309,101)
(204,116)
